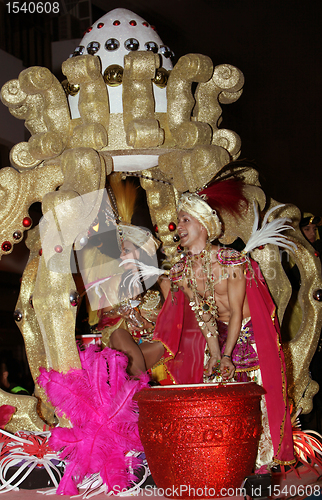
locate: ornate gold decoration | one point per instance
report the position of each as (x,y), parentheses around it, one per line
(162,203)
(73,89)
(93,100)
(113,75)
(142,129)
(36,349)
(70,89)
(48,120)
(161,78)
(19,191)
(225,87)
(64,166)
(190,68)
(198,166)
(26,416)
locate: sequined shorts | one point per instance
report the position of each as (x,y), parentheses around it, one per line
(244,355)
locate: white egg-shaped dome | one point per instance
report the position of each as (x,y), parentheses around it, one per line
(111,38)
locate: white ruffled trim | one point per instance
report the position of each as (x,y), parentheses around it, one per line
(30,462)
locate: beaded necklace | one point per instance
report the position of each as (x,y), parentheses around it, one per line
(202,304)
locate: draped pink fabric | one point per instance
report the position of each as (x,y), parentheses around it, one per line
(178,330)
(271,361)
(186,350)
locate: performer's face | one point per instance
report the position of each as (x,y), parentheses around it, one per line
(309,232)
(129,251)
(189,229)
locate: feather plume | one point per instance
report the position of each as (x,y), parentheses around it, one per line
(226,195)
(96,285)
(144,272)
(94,484)
(98,400)
(125,194)
(270,232)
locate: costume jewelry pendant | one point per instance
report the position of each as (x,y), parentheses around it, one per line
(200,304)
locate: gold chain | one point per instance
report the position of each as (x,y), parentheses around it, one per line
(200,304)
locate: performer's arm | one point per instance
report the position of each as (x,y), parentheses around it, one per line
(165,285)
(214,349)
(236,297)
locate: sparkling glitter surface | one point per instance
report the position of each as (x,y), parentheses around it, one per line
(200,436)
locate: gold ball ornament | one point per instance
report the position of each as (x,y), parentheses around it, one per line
(113,75)
(73,89)
(70,89)
(161,78)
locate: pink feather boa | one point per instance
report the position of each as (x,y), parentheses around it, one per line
(98,401)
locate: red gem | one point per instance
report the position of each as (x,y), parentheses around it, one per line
(132,23)
(58,249)
(116,23)
(145,24)
(26,222)
(40,252)
(317,254)
(153,27)
(89,30)
(6,246)
(179,248)
(100,25)
(156,229)
(261,247)
(172,226)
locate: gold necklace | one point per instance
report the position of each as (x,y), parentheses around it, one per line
(201,304)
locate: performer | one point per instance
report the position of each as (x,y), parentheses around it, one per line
(220,302)
(128,313)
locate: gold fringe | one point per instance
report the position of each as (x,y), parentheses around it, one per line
(125,193)
(281,462)
(252,368)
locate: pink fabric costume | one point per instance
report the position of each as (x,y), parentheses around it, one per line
(178,331)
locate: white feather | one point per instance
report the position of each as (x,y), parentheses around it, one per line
(144,272)
(270,232)
(96,285)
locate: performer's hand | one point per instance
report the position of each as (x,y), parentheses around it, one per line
(227,368)
(110,313)
(131,314)
(213,365)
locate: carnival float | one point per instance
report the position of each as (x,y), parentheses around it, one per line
(123,108)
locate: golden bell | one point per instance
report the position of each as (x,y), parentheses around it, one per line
(161,78)
(113,75)
(73,89)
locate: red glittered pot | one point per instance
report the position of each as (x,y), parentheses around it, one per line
(200,441)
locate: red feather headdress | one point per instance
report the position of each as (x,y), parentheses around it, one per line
(225,195)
